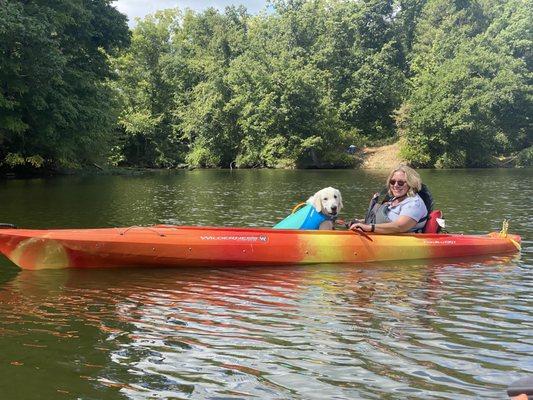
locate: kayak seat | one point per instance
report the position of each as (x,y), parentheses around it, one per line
(434,223)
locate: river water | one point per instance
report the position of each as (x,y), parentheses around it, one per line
(441,329)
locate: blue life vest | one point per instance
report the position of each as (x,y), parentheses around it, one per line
(306,217)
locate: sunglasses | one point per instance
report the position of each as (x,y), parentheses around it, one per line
(394,182)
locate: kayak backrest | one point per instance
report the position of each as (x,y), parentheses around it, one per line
(432,224)
(427,197)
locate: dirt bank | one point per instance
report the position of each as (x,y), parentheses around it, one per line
(383,157)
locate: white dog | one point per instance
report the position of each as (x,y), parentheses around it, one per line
(327,201)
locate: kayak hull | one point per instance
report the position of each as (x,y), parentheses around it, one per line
(185,246)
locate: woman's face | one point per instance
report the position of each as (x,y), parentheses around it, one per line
(398,184)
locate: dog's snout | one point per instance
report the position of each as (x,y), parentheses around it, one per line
(333,208)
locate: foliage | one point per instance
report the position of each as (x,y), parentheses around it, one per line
(288,88)
(203,155)
(280,89)
(525,157)
(144,135)
(472,94)
(55,104)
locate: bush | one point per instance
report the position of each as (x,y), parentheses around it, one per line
(339,159)
(202,155)
(415,150)
(525,157)
(451,159)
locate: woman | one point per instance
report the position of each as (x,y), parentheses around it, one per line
(405,212)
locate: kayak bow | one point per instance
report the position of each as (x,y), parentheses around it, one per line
(187,246)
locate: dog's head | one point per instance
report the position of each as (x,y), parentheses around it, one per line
(328,201)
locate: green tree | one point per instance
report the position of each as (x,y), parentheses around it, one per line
(280,97)
(207,45)
(362,60)
(145,136)
(56,107)
(472,94)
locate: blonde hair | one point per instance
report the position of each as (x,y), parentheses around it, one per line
(411,176)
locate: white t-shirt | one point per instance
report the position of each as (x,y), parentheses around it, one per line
(412,207)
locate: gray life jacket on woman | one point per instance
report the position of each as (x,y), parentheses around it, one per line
(377,212)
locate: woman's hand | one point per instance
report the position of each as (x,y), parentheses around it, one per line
(401,225)
(361,226)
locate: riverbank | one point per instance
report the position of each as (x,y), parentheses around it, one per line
(387,157)
(379,157)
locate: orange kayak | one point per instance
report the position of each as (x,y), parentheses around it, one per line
(187,246)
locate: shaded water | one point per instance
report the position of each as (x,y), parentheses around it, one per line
(444,329)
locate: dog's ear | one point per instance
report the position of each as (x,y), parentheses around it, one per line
(340,198)
(317,202)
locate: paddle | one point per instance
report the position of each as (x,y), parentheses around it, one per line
(359,231)
(522,386)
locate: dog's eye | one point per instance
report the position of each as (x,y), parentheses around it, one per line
(325,198)
(335,196)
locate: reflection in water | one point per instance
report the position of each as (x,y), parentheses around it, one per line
(395,330)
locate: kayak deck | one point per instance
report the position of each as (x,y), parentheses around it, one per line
(188,246)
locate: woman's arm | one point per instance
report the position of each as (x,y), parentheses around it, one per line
(402,224)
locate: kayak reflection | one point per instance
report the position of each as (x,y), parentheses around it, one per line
(252,331)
